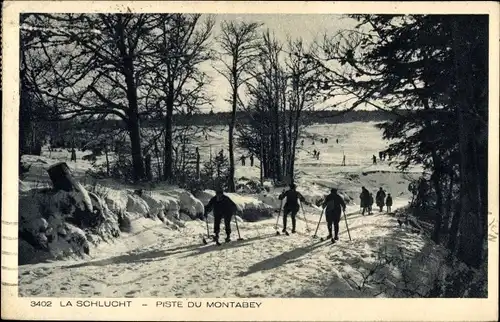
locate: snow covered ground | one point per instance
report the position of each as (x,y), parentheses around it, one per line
(155,259)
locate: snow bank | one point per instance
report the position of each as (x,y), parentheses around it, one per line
(250,207)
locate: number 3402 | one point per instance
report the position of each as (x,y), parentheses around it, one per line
(41,303)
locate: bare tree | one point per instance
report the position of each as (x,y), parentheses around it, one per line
(183,46)
(239,42)
(96,64)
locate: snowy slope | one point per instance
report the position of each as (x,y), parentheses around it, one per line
(159,259)
(176,264)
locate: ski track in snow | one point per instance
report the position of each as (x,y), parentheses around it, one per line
(159,262)
(177,264)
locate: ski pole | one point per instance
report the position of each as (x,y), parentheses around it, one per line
(208,231)
(237,228)
(347,226)
(278,218)
(305,219)
(319,221)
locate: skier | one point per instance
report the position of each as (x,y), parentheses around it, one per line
(337,141)
(388,202)
(364,199)
(321,140)
(223,207)
(243,158)
(343,161)
(370,204)
(317,155)
(291,205)
(334,205)
(302,142)
(251,160)
(313,142)
(326,140)
(380,199)
(374,159)
(314,153)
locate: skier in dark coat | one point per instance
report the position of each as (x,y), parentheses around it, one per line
(223,207)
(291,205)
(388,202)
(251,160)
(334,205)
(380,199)
(364,199)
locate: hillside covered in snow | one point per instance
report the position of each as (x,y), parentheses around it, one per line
(148,241)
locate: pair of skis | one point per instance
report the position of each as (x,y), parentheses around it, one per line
(212,237)
(319,221)
(278,218)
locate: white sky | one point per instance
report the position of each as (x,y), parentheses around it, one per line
(306,26)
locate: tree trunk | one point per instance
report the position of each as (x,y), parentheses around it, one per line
(62,179)
(107,159)
(133,119)
(470,247)
(168,153)
(439,205)
(231,185)
(135,140)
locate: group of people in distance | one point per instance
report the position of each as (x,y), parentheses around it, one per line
(243,159)
(366,200)
(333,204)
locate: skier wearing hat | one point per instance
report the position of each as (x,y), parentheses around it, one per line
(334,205)
(291,205)
(223,207)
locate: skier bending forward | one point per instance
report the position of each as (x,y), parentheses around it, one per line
(291,205)
(334,205)
(223,207)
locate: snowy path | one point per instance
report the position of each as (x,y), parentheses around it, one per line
(263,265)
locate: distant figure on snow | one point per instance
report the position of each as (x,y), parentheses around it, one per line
(291,205)
(317,155)
(343,160)
(337,141)
(380,198)
(364,200)
(206,137)
(302,142)
(326,140)
(313,142)
(321,140)
(374,158)
(388,202)
(243,158)
(223,207)
(251,160)
(380,155)
(334,205)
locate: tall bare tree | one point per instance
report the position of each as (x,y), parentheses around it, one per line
(96,65)
(184,45)
(239,43)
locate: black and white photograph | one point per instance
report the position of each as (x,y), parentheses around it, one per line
(224,155)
